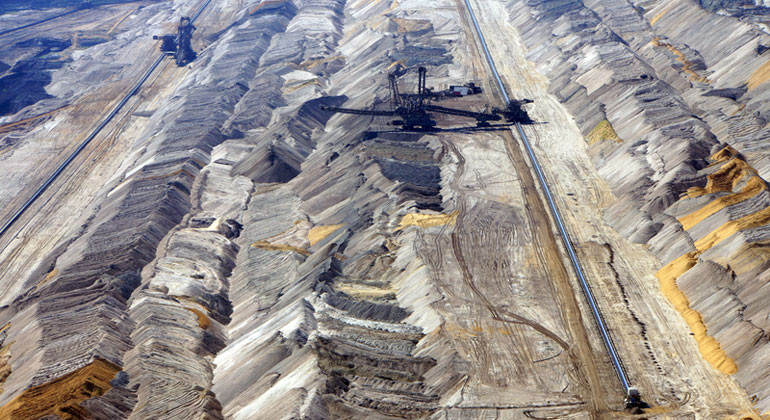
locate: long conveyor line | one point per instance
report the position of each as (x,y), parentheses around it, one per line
(603,330)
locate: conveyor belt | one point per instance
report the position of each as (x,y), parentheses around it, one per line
(7,225)
(608,343)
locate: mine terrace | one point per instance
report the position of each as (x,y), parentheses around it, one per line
(384,209)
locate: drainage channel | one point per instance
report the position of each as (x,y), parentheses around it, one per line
(603,330)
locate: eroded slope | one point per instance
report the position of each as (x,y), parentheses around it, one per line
(675,121)
(245,255)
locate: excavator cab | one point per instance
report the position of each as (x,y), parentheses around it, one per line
(515,112)
(633,398)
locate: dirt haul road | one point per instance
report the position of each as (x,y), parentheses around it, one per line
(477,314)
(657,350)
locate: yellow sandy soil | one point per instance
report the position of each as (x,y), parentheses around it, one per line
(5,365)
(62,396)
(313,63)
(760,76)
(657,17)
(754,186)
(295,85)
(203,320)
(725,179)
(411,25)
(732,227)
(603,131)
(293,240)
(708,346)
(280,247)
(51,274)
(427,220)
(687,65)
(320,232)
(725,154)
(362,291)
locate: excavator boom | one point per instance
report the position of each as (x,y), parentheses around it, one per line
(479,116)
(415,110)
(360,111)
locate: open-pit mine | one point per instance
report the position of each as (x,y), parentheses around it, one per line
(384,209)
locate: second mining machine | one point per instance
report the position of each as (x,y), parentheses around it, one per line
(179,46)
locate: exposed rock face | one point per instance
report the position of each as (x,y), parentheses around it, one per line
(94,277)
(738,8)
(246,255)
(687,160)
(163,277)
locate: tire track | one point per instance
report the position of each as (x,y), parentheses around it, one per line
(498,314)
(548,252)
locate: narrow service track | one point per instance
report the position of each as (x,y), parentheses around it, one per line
(48,19)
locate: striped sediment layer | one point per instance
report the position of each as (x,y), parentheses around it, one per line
(256,257)
(116,303)
(676,83)
(247,262)
(63,396)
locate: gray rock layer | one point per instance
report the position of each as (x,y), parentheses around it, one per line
(676,84)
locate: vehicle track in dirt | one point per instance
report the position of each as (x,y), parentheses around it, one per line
(549,254)
(498,314)
(552,260)
(31,24)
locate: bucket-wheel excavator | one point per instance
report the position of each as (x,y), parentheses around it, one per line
(415,111)
(179,46)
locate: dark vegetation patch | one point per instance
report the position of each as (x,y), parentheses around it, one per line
(414,165)
(90,41)
(399,151)
(410,172)
(730,93)
(424,198)
(335,355)
(46,45)
(365,309)
(7,6)
(25,82)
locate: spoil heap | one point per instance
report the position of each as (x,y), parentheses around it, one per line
(226,249)
(689,161)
